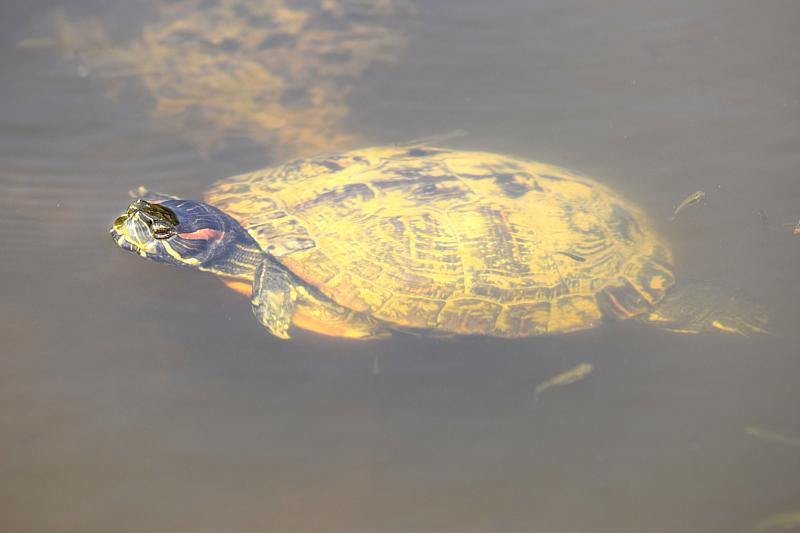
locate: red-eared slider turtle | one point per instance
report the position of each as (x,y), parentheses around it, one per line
(427,239)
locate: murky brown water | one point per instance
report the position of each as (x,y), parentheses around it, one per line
(135,397)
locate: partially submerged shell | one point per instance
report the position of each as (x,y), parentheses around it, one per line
(454,241)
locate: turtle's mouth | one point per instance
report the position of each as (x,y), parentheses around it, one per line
(132,234)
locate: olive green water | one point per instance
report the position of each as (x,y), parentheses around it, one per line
(140,398)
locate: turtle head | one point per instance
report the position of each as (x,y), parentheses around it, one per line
(177,232)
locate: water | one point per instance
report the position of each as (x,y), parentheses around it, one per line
(135,397)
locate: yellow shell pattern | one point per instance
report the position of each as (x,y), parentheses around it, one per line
(454,241)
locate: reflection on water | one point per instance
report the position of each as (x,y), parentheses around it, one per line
(273,71)
(139,398)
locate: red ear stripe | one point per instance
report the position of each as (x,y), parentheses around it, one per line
(204,234)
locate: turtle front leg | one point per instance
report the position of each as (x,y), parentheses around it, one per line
(274,297)
(279,299)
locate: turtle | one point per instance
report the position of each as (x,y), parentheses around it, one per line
(424,239)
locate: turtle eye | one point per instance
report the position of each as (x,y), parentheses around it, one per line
(162,230)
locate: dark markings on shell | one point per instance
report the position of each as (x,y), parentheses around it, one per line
(512,184)
(331,165)
(356,191)
(276,40)
(229,45)
(238,189)
(271,215)
(298,244)
(623,224)
(500,166)
(574,257)
(491,292)
(425,187)
(418,174)
(398,226)
(413,180)
(431,191)
(551,178)
(424,152)
(499,247)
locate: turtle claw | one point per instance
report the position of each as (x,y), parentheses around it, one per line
(739,326)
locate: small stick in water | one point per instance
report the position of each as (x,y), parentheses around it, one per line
(36,42)
(689,201)
(771,436)
(565,378)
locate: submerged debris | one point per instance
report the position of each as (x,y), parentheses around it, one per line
(781,521)
(36,42)
(276,72)
(693,199)
(772,436)
(565,378)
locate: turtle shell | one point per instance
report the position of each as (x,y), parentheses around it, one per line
(454,241)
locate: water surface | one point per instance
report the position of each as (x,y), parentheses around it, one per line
(140,398)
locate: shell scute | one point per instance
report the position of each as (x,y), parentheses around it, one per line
(525,319)
(469,316)
(412,312)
